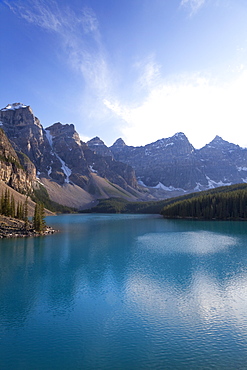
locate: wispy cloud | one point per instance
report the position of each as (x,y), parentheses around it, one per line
(192,5)
(149,72)
(38,13)
(78,34)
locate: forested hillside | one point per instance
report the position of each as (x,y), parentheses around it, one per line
(117,205)
(225,203)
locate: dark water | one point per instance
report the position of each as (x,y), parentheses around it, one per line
(125,292)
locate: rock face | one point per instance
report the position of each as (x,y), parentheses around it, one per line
(58,154)
(12,171)
(117,172)
(167,161)
(223,163)
(102,162)
(174,163)
(24,132)
(67,160)
(99,147)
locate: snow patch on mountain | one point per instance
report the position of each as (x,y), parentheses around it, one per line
(199,187)
(49,171)
(92,169)
(140,182)
(14,106)
(167,188)
(66,170)
(213,184)
(49,137)
(160,186)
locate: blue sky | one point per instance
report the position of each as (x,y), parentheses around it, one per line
(137,69)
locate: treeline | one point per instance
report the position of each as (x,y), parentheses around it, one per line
(19,210)
(119,205)
(228,203)
(40,195)
(9,208)
(225,202)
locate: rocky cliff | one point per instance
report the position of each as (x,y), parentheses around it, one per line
(57,154)
(173,163)
(83,172)
(101,161)
(223,163)
(99,147)
(12,171)
(167,161)
(25,132)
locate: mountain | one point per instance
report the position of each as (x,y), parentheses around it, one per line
(78,174)
(223,163)
(174,164)
(12,167)
(99,147)
(72,173)
(167,162)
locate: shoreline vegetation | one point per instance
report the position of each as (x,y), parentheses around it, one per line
(15,217)
(222,203)
(13,228)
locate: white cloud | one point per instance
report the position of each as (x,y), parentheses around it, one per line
(39,13)
(80,45)
(195,105)
(193,5)
(149,72)
(78,34)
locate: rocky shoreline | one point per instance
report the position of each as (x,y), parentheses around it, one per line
(13,228)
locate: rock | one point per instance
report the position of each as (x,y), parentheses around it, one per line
(99,147)
(13,228)
(12,171)
(173,163)
(58,154)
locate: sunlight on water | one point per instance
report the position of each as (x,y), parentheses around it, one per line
(201,242)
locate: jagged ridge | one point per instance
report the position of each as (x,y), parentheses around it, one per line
(84,172)
(63,162)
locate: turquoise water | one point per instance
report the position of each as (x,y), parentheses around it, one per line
(125,292)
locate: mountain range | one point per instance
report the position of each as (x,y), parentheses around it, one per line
(77,174)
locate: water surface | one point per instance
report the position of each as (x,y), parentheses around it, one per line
(125,292)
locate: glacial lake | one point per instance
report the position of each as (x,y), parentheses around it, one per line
(125,292)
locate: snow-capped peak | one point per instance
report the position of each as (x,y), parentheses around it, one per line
(14,106)
(180,135)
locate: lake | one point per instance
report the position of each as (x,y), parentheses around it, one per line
(125,292)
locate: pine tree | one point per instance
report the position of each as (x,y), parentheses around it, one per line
(25,212)
(21,214)
(2,205)
(12,206)
(39,218)
(5,203)
(18,210)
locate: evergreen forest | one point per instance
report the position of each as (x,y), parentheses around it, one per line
(224,203)
(9,208)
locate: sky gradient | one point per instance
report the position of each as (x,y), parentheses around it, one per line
(137,69)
